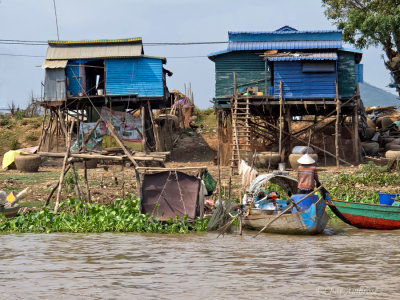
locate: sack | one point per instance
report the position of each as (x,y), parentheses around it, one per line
(302,150)
(209,182)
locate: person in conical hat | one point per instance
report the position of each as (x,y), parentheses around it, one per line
(307,175)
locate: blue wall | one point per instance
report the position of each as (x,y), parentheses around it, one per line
(141,76)
(72,71)
(297,84)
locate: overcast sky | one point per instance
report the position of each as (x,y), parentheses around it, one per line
(154,21)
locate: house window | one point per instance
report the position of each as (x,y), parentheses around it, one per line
(319,66)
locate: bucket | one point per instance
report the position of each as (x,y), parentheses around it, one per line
(100,92)
(281,167)
(306,203)
(386,199)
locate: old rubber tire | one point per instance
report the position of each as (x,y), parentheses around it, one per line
(391,154)
(370,148)
(371,123)
(384,122)
(387,140)
(294,157)
(369,133)
(27,162)
(267,159)
(392,146)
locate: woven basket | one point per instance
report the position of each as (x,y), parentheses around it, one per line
(27,162)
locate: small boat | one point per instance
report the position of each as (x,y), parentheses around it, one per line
(10,211)
(312,220)
(368,216)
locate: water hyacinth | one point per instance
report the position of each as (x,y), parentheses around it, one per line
(121,216)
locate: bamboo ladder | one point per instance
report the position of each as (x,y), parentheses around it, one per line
(240,109)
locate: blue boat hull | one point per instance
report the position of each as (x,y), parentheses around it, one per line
(311,221)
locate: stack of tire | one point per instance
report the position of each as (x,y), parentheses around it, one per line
(391,144)
(299,151)
(369,147)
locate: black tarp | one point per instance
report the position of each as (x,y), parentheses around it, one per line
(176,193)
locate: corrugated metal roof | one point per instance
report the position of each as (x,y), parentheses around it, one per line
(285,32)
(304,56)
(94,51)
(284,45)
(54,64)
(351,50)
(106,41)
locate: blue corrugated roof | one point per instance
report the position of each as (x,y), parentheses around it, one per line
(284,32)
(281,45)
(351,50)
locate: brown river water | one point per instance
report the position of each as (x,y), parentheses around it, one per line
(345,263)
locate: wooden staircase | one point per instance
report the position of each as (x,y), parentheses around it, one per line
(241,129)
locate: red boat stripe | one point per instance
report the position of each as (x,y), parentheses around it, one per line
(373,223)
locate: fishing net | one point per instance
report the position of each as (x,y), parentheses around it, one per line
(221,216)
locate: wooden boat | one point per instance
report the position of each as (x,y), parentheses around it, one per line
(310,221)
(369,216)
(10,211)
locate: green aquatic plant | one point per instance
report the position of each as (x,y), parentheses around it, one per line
(74,216)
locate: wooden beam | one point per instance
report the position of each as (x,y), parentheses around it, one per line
(337,125)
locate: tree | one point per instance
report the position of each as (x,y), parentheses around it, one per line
(370,22)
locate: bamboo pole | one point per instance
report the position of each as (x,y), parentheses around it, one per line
(63,169)
(42,131)
(76,183)
(55,187)
(337,125)
(85,178)
(355,137)
(280,119)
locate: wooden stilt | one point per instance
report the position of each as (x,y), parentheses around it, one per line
(337,125)
(280,119)
(219,154)
(63,169)
(76,183)
(55,187)
(42,131)
(355,137)
(85,178)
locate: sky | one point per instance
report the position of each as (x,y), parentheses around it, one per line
(154,21)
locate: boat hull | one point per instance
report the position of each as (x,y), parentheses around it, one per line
(311,221)
(10,212)
(368,216)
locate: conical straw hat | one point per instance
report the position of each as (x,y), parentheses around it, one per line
(306,160)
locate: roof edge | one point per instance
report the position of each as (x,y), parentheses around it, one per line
(96,42)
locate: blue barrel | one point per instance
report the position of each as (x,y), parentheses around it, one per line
(306,203)
(386,199)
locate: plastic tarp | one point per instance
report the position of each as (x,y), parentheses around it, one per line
(169,194)
(289,184)
(9,156)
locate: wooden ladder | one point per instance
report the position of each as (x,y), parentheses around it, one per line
(241,129)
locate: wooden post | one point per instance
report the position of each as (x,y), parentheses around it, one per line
(76,183)
(42,131)
(219,154)
(55,187)
(280,119)
(85,177)
(337,125)
(355,137)
(63,169)
(144,131)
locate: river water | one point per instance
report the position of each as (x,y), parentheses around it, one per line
(344,263)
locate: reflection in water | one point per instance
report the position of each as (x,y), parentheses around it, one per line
(349,263)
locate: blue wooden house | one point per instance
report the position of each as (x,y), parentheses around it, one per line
(306,62)
(266,80)
(98,69)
